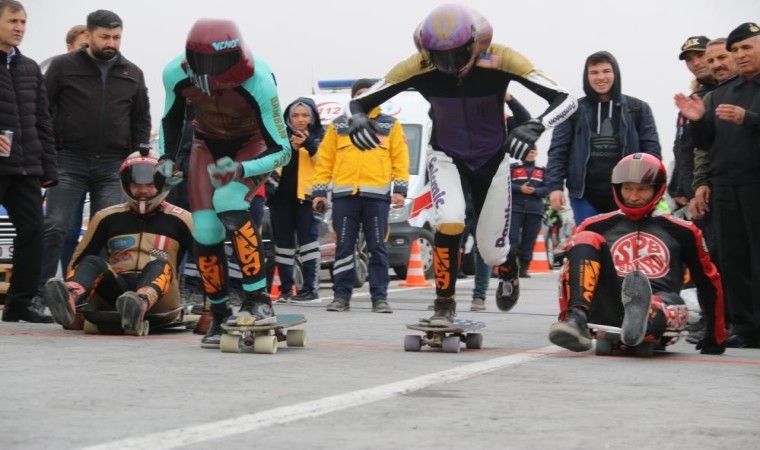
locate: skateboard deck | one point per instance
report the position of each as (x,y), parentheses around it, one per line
(448,339)
(109,322)
(608,341)
(237,334)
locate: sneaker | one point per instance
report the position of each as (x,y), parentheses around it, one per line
(60,300)
(524,269)
(431,307)
(478,304)
(213,336)
(283,298)
(572,333)
(445,310)
(32,311)
(132,308)
(508,290)
(339,304)
(637,299)
(381,306)
(305,297)
(259,305)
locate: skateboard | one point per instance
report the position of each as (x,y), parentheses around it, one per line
(109,322)
(608,341)
(243,332)
(448,339)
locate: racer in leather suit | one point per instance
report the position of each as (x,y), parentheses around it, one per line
(143,241)
(239,137)
(609,248)
(465,79)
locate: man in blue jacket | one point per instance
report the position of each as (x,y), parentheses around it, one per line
(607,126)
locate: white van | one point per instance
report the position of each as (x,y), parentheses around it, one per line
(412,111)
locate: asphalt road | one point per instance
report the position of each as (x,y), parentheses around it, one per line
(353,386)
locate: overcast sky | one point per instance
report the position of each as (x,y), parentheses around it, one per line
(308,40)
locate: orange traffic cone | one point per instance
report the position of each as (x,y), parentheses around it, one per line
(415,273)
(540,262)
(275,292)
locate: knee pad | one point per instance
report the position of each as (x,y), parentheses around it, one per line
(208,230)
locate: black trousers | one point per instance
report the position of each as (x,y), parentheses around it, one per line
(21,195)
(736,218)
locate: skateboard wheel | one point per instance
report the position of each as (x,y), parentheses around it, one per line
(603,347)
(296,338)
(474,341)
(645,349)
(451,344)
(265,344)
(229,343)
(412,343)
(145,329)
(90,328)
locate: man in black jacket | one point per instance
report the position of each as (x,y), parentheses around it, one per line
(27,161)
(100,110)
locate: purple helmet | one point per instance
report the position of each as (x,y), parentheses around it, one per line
(452,36)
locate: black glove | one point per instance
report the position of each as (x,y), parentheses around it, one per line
(708,346)
(524,137)
(363,132)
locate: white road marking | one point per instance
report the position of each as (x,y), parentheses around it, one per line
(215,430)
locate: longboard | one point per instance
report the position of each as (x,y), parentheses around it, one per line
(109,322)
(262,338)
(448,339)
(608,341)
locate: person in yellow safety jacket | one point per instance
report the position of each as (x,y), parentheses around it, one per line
(361,195)
(290,204)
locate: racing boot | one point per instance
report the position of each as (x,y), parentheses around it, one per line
(258,304)
(637,299)
(62,298)
(132,307)
(445,310)
(219,315)
(572,333)
(508,290)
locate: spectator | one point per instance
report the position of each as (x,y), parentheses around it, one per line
(101,114)
(141,276)
(361,192)
(693,54)
(27,163)
(602,280)
(465,78)
(727,124)
(528,193)
(290,205)
(607,126)
(77,38)
(239,137)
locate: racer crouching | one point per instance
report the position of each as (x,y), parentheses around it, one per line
(602,280)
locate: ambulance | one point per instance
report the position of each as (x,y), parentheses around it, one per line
(416,217)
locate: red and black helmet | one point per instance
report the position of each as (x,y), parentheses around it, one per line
(216,55)
(140,168)
(639,168)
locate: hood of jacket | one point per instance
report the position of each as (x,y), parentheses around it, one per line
(617,88)
(315,126)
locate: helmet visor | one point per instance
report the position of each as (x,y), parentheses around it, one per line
(212,64)
(140,173)
(451,61)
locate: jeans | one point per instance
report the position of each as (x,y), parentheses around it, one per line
(76,175)
(482,276)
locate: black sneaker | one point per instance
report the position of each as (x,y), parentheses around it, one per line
(304,297)
(637,298)
(213,336)
(132,308)
(339,305)
(259,305)
(31,311)
(572,333)
(508,290)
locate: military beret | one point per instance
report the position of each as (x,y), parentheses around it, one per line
(742,32)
